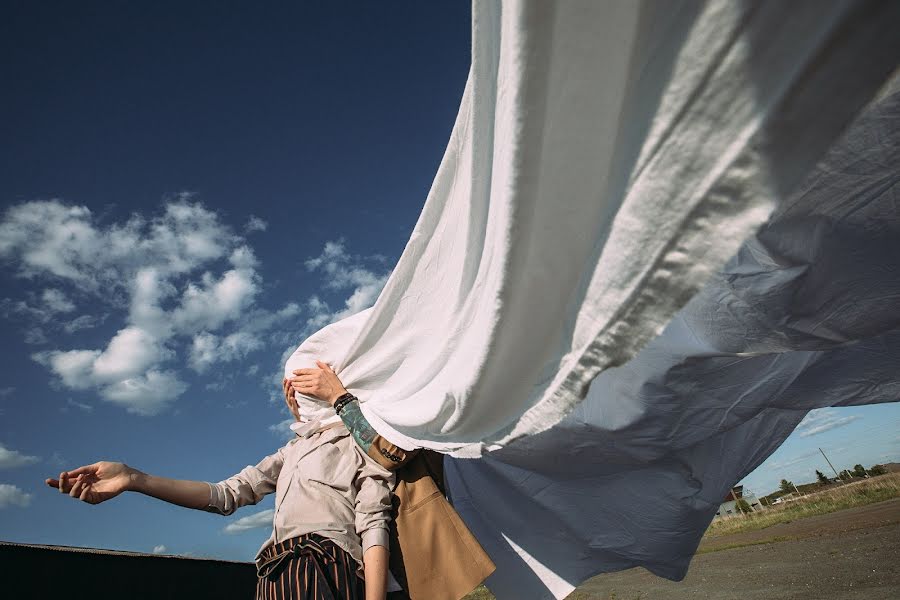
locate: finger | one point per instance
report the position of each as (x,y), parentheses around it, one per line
(324,366)
(54,483)
(306,371)
(86,470)
(77,487)
(83,496)
(62,483)
(308,377)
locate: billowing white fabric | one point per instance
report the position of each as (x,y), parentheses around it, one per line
(804,316)
(606,159)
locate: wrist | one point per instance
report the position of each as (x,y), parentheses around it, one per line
(336,396)
(136,480)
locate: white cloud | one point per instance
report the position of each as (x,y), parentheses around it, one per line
(146,395)
(11,495)
(186,282)
(212,303)
(50,238)
(73,366)
(254,521)
(822,420)
(79,405)
(283,428)
(129,353)
(83,322)
(254,224)
(209,349)
(56,301)
(343,271)
(159,549)
(10,459)
(181,274)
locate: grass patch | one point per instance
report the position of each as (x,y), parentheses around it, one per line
(867,491)
(780,538)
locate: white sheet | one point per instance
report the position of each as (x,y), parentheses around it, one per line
(607,158)
(805,316)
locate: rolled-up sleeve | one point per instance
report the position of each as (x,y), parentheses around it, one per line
(373,504)
(249,486)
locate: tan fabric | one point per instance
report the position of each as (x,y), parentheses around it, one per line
(434,556)
(324,484)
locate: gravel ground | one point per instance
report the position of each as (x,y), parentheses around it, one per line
(853,554)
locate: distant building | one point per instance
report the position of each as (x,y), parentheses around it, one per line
(729,504)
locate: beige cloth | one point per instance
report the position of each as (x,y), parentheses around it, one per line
(323,484)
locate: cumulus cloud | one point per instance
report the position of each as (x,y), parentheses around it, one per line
(208,349)
(11,495)
(213,302)
(159,549)
(185,281)
(254,224)
(822,420)
(343,271)
(147,394)
(254,521)
(10,459)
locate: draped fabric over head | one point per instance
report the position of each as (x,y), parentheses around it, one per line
(606,161)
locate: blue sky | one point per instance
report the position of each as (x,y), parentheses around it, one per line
(187,191)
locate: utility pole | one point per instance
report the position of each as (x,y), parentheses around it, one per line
(829,464)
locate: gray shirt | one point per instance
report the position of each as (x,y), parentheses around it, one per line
(323,484)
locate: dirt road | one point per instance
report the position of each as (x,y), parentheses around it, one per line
(852,554)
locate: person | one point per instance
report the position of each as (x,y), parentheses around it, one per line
(433,555)
(330,532)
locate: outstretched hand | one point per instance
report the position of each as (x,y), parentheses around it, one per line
(321,383)
(94,483)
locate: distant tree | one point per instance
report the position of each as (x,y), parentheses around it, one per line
(786,486)
(877,470)
(859,471)
(845,475)
(742,506)
(821,477)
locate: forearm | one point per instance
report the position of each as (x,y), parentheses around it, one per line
(357,425)
(190,494)
(375,565)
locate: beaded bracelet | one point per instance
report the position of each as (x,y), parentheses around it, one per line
(343,401)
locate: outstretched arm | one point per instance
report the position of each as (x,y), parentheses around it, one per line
(102,481)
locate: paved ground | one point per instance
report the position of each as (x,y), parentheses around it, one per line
(852,554)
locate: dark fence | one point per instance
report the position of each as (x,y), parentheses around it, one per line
(60,572)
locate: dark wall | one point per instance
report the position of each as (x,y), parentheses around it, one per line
(73,573)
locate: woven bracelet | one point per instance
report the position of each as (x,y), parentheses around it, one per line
(343,401)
